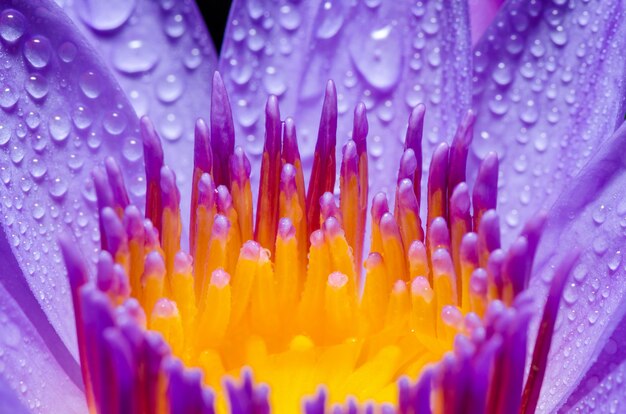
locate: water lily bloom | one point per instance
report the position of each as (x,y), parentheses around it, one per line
(180,277)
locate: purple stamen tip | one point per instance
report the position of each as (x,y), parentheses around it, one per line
(290,142)
(240,166)
(224,200)
(203,158)
(206,190)
(485,192)
(104,194)
(478,282)
(489,231)
(286,230)
(360,128)
(183,263)
(460,200)
(222,130)
(469,249)
(221,226)
(133,222)
(251,250)
(442,262)
(379,206)
(116,181)
(415,131)
(317,238)
(152,149)
(327,136)
(74,262)
(113,230)
(171,195)
(272,126)
(104,274)
(154,264)
(438,234)
(515,267)
(332,228)
(408,165)
(328,207)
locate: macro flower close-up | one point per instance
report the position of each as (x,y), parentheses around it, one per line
(326,207)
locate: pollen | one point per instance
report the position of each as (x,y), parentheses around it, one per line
(322,303)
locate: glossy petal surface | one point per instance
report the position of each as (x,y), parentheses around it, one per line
(591,214)
(549,87)
(60,114)
(31,377)
(163,58)
(390,55)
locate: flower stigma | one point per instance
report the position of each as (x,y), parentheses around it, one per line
(433,318)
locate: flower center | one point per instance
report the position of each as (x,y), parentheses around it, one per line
(290,296)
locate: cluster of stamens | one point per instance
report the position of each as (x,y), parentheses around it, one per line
(290,296)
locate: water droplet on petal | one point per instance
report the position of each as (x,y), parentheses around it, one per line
(329,19)
(37,51)
(377,57)
(115,123)
(171,128)
(132,149)
(58,188)
(170,88)
(105,15)
(5,134)
(82,117)
(37,86)
(59,126)
(8,97)
(175,26)
(67,51)
(12,25)
(135,56)
(289,18)
(37,168)
(90,84)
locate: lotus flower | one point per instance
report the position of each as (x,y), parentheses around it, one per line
(441,322)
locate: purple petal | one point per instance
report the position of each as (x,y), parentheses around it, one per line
(482,13)
(590,214)
(549,87)
(390,55)
(603,388)
(32,377)
(61,112)
(163,58)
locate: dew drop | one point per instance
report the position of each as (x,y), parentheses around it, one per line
(273,82)
(570,294)
(67,51)
(37,51)
(529,114)
(169,88)
(558,36)
(377,57)
(59,127)
(82,117)
(502,74)
(289,18)
(37,86)
(5,134)
(132,149)
(615,261)
(105,15)
(58,188)
(329,20)
(193,59)
(8,97)
(175,26)
(599,214)
(135,56)
(38,211)
(115,123)
(171,127)
(12,25)
(32,120)
(90,84)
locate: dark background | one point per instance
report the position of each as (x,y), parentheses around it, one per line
(215,13)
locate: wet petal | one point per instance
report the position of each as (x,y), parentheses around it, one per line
(549,87)
(163,58)
(590,214)
(33,377)
(603,388)
(61,112)
(390,55)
